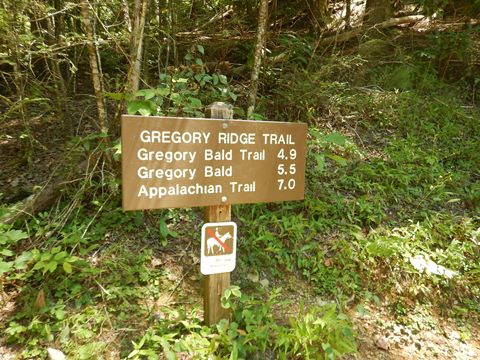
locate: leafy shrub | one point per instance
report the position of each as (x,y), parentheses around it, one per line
(8,239)
(183,92)
(322,330)
(252,333)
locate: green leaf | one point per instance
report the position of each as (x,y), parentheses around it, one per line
(118,149)
(13,236)
(234,353)
(67,267)
(320,158)
(336,138)
(199,62)
(176,98)
(257,116)
(5,266)
(60,256)
(149,93)
(144,107)
(162,91)
(72,259)
(145,112)
(38,265)
(236,291)
(6,252)
(55,250)
(164,231)
(170,355)
(200,49)
(134,106)
(340,160)
(22,259)
(114,96)
(50,266)
(140,92)
(45,256)
(35,254)
(223,79)
(320,322)
(232,96)
(195,103)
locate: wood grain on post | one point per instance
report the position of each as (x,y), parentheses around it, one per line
(215,285)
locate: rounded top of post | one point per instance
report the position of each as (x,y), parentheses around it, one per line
(219,110)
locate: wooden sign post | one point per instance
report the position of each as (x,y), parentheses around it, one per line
(215,285)
(172,162)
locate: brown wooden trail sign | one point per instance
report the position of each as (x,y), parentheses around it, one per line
(186,162)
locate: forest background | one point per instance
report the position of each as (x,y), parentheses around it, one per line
(380,261)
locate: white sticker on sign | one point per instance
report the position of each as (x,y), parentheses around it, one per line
(218,248)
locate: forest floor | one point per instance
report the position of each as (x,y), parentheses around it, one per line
(421,334)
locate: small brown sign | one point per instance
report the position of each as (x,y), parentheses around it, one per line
(187,162)
(219,240)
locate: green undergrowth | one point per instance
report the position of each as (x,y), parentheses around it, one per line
(106,294)
(391,210)
(252,333)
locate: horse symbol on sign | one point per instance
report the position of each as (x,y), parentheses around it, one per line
(217,242)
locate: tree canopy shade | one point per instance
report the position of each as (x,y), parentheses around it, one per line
(47,40)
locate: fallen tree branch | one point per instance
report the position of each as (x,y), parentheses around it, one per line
(400,21)
(216,18)
(346,36)
(50,192)
(36,203)
(193,36)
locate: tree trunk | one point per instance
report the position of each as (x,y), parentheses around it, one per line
(348,14)
(135,58)
(258,55)
(53,37)
(377,11)
(195,8)
(126,15)
(94,66)
(136,54)
(317,10)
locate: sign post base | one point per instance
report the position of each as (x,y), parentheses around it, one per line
(214,287)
